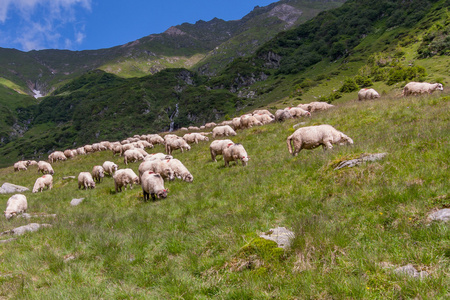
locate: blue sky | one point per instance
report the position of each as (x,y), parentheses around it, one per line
(93,24)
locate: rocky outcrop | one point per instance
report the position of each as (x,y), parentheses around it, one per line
(286,13)
(9,188)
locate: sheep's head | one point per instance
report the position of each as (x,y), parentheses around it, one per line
(9,214)
(188,178)
(440,87)
(162,193)
(170,174)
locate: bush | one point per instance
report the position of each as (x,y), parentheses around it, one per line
(363,81)
(349,86)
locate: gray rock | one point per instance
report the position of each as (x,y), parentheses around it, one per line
(440,215)
(410,271)
(7,241)
(29,216)
(280,235)
(68,177)
(362,159)
(9,188)
(26,228)
(75,202)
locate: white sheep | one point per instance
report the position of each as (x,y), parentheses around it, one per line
(81,151)
(85,180)
(21,165)
(417,88)
(194,137)
(55,156)
(248,121)
(264,118)
(16,204)
(225,130)
(98,173)
(210,125)
(132,155)
(234,153)
(297,112)
(282,115)
(158,156)
(153,185)
(42,182)
(155,139)
(161,167)
(217,146)
(45,168)
(313,136)
(367,94)
(263,112)
(176,143)
(109,167)
(180,171)
(316,106)
(123,177)
(88,149)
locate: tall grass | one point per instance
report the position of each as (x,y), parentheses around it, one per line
(349,224)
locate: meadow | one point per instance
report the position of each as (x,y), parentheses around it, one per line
(352,226)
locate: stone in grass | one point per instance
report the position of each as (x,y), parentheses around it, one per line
(26,228)
(410,271)
(440,215)
(75,202)
(9,188)
(362,159)
(279,235)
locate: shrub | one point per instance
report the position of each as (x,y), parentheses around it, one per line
(349,85)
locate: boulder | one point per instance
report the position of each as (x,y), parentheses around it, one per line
(362,159)
(280,235)
(26,228)
(75,202)
(410,271)
(9,188)
(440,215)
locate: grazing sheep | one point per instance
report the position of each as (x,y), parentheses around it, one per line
(176,143)
(81,151)
(85,180)
(193,128)
(126,147)
(367,94)
(417,88)
(314,106)
(248,121)
(194,137)
(42,182)
(109,167)
(282,115)
(21,165)
(263,112)
(155,139)
(313,136)
(180,171)
(16,204)
(132,156)
(225,130)
(123,177)
(264,119)
(297,112)
(161,167)
(32,163)
(158,156)
(70,153)
(144,144)
(217,146)
(210,125)
(55,156)
(234,153)
(45,168)
(98,173)
(108,145)
(153,184)
(226,122)
(88,149)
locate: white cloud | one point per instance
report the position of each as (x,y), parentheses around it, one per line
(45,23)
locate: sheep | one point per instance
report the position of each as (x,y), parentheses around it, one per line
(98,173)
(32,163)
(155,139)
(195,137)
(367,94)
(234,153)
(217,146)
(123,177)
(297,112)
(248,121)
(313,136)
(153,184)
(210,125)
(193,128)
(176,143)
(226,122)
(55,156)
(236,122)
(81,151)
(108,145)
(282,115)
(88,149)
(416,88)
(263,112)
(45,168)
(264,119)
(161,167)
(70,153)
(132,156)
(225,130)
(180,171)
(184,129)
(21,165)
(16,204)
(42,182)
(126,147)
(85,180)
(144,144)
(109,167)
(117,149)
(313,106)
(157,156)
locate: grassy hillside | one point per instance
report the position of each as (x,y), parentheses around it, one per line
(352,226)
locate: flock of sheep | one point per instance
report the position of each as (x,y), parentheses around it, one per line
(157,167)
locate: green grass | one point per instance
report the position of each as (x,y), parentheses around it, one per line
(192,245)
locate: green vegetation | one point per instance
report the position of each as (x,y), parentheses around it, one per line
(352,226)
